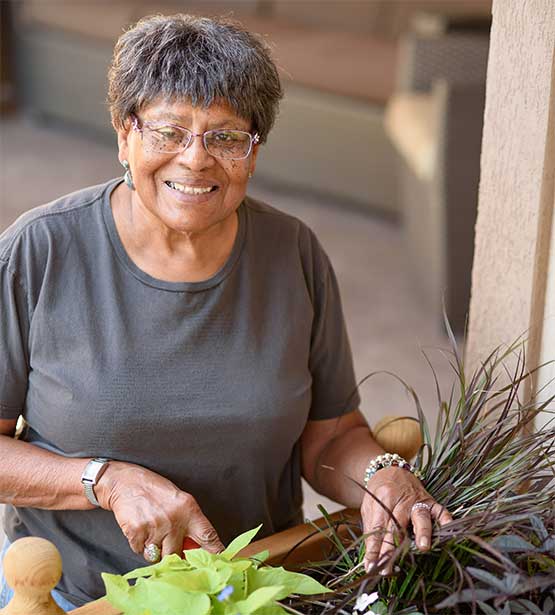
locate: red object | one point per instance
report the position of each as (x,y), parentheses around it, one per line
(189,543)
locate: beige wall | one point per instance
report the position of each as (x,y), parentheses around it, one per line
(512,265)
(546,380)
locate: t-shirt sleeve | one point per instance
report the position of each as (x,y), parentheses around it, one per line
(14,330)
(334,389)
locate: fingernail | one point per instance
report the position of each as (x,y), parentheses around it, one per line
(384,572)
(369,566)
(424,542)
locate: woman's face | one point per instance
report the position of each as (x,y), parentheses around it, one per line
(189,191)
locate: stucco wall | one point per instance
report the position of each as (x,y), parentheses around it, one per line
(513,229)
(546,379)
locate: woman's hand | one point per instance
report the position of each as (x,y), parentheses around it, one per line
(399,491)
(150,509)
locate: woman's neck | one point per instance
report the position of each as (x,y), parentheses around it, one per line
(169,255)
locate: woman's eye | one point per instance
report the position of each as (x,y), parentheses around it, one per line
(168,133)
(230,136)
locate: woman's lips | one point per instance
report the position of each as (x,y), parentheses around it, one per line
(191,188)
(191,193)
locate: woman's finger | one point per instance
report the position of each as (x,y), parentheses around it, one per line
(374,523)
(136,532)
(373,544)
(441,514)
(421,517)
(389,543)
(203,532)
(172,543)
(379,525)
(396,530)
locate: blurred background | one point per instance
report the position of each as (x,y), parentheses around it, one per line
(377,148)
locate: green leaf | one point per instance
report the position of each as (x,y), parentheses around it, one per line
(199,558)
(204,581)
(117,591)
(169,599)
(239,543)
(273,609)
(261,557)
(291,582)
(379,608)
(169,563)
(217,607)
(259,598)
(241,585)
(238,565)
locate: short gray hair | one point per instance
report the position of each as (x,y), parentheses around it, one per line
(198,59)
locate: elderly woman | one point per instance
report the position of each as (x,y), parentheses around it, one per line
(178,349)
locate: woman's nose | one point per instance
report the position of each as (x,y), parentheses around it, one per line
(195,156)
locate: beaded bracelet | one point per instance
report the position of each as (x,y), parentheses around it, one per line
(385,461)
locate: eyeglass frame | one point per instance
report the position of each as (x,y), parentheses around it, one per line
(136,124)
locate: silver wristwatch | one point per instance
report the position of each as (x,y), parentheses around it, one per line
(91,475)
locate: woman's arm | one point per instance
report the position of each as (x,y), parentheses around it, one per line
(147,507)
(345,444)
(35,478)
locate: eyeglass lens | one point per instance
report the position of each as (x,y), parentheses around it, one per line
(231,144)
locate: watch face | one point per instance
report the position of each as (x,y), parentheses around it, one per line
(92,469)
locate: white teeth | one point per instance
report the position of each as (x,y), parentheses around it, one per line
(189,189)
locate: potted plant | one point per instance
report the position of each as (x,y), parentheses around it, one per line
(496,474)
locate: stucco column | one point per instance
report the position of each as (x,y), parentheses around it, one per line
(516,199)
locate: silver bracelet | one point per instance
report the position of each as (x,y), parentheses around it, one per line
(385,461)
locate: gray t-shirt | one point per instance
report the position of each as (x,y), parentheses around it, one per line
(209,384)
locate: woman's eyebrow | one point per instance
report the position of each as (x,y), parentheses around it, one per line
(163,116)
(183,121)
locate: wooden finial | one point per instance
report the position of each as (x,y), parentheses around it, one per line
(32,568)
(399,434)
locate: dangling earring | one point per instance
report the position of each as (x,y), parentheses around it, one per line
(250,174)
(128,178)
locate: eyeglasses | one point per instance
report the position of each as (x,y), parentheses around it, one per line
(164,138)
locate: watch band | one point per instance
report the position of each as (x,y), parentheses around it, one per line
(91,475)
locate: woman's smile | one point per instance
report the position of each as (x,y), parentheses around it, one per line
(188,188)
(189,192)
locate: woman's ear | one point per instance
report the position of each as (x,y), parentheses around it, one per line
(124,134)
(253,156)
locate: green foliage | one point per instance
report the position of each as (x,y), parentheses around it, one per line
(207,584)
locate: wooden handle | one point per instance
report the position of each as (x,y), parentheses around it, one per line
(32,568)
(302,543)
